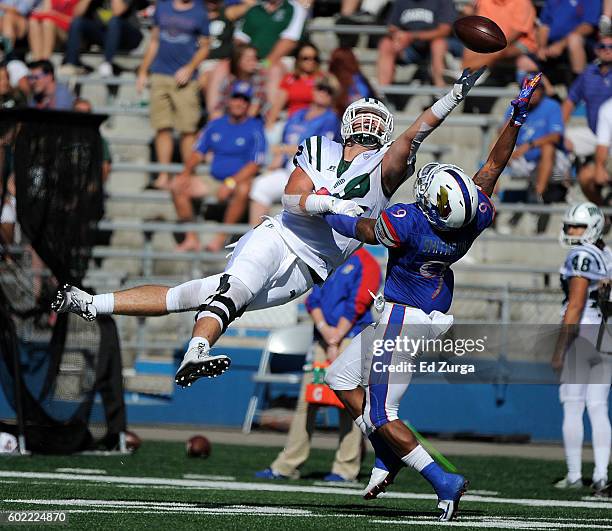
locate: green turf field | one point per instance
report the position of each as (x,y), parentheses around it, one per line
(160,488)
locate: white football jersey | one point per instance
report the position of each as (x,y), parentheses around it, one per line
(590,262)
(310,237)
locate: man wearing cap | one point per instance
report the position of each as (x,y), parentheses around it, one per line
(235,145)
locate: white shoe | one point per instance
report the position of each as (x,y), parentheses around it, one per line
(74,300)
(105,69)
(379,481)
(198,363)
(565,483)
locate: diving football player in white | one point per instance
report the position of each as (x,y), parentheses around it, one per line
(586,373)
(425,239)
(284,256)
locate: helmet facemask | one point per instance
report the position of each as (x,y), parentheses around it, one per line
(368,124)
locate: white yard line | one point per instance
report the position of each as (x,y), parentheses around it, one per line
(209,476)
(81,470)
(494,523)
(268,487)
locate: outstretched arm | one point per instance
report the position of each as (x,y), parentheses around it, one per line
(362,229)
(398,162)
(487,176)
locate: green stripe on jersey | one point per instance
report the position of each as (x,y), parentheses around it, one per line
(308,147)
(319,141)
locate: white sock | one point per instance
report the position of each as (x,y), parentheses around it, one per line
(573,433)
(417,458)
(195,341)
(104,304)
(602,436)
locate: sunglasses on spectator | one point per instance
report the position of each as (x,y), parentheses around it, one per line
(36,77)
(602,46)
(308,58)
(325,88)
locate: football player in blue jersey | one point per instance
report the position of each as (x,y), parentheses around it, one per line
(424,239)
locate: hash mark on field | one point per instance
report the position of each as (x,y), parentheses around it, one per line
(147,482)
(484,492)
(209,476)
(81,470)
(341,484)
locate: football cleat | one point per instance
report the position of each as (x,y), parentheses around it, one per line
(74,300)
(198,363)
(450,495)
(599,486)
(565,483)
(380,479)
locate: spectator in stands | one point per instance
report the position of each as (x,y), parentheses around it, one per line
(111,24)
(539,155)
(10,98)
(14,21)
(8,214)
(318,119)
(594,87)
(418,30)
(45,91)
(17,69)
(178,44)
(517,20)
(603,161)
(296,89)
(244,68)
(344,66)
(237,145)
(49,22)
(222,19)
(565,26)
(83,105)
(340,310)
(274,28)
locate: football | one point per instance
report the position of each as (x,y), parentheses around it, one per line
(480,34)
(132,441)
(198,446)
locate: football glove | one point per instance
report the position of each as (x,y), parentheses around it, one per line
(521,104)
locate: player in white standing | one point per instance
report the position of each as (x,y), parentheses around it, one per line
(281,258)
(424,239)
(586,373)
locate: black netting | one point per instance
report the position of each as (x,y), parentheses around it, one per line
(51,366)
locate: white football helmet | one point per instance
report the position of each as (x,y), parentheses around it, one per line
(368,122)
(447,195)
(586,215)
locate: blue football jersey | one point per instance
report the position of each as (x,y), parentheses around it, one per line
(418,269)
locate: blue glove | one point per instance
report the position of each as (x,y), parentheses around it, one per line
(345,225)
(521,104)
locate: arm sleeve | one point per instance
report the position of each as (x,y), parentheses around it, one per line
(204,27)
(555,119)
(485,213)
(576,91)
(202,144)
(393,226)
(604,129)
(546,14)
(394,16)
(314,299)
(447,14)
(259,145)
(304,155)
(592,12)
(295,28)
